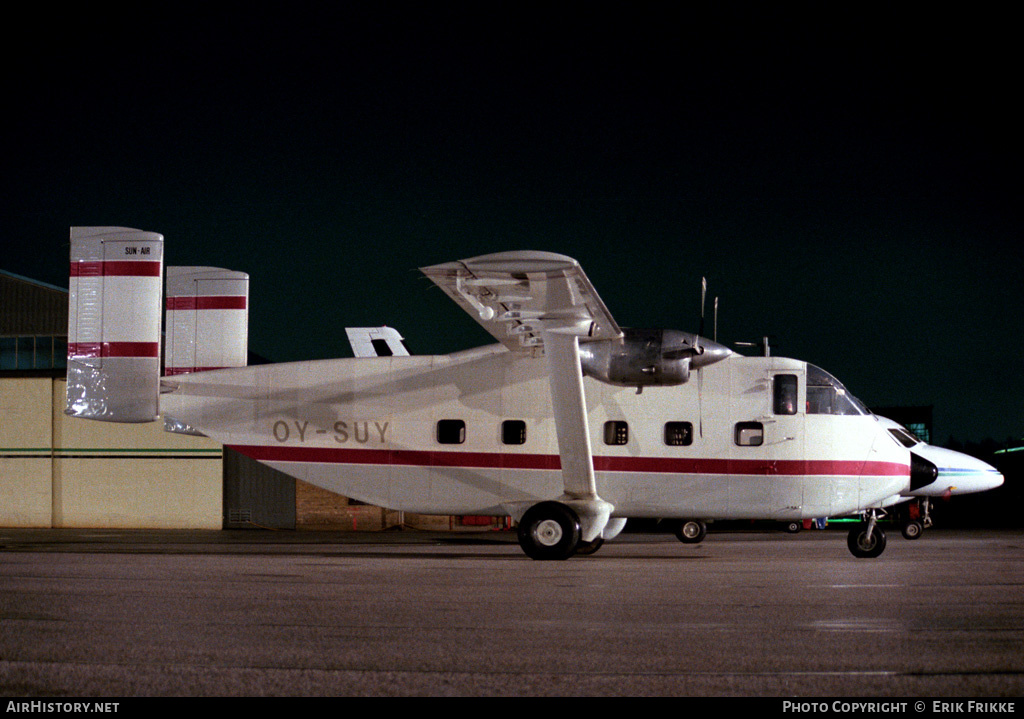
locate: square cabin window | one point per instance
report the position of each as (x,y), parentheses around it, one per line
(749,434)
(451,431)
(616,432)
(513,431)
(678,434)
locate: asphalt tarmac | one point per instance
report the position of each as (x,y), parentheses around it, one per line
(110,613)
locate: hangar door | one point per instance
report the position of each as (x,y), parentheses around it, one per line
(256,496)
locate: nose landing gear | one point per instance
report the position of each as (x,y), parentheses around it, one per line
(918,519)
(867,541)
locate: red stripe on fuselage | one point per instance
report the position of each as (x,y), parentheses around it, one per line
(495,460)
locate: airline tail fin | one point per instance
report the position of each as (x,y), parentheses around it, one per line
(114,321)
(376,342)
(207,319)
(115,313)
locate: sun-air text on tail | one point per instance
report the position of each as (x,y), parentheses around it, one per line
(569,423)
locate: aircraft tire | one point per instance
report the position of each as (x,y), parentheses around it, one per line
(794,527)
(588,548)
(691,531)
(861,548)
(912,529)
(549,530)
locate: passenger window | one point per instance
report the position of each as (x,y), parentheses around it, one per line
(451,431)
(784,394)
(678,434)
(749,434)
(616,432)
(513,431)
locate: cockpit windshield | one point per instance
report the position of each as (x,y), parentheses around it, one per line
(827,395)
(904,437)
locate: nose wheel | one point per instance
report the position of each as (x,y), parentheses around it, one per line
(912,529)
(867,541)
(917,519)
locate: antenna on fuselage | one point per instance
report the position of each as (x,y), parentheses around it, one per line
(703,297)
(763,345)
(696,346)
(715,338)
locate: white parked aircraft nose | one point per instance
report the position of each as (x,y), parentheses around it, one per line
(961,473)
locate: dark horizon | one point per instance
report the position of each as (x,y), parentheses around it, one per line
(847,184)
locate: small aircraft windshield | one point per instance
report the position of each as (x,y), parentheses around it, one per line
(827,395)
(904,437)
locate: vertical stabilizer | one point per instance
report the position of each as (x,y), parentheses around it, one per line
(207,319)
(114,323)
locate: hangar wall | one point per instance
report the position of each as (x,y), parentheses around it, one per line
(56,471)
(61,472)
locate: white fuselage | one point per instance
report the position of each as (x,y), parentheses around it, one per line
(386,431)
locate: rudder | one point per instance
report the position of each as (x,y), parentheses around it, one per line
(207,319)
(114,324)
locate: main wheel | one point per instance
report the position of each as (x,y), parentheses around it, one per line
(913,529)
(549,530)
(691,531)
(588,548)
(794,527)
(862,547)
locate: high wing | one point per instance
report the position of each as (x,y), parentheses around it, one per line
(533,300)
(516,296)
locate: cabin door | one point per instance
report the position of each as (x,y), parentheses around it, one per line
(784,450)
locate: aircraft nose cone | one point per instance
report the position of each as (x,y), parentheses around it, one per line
(977,476)
(965,474)
(995,479)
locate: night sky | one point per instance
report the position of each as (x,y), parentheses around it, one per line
(846,179)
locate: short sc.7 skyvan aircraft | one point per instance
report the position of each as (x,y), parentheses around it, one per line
(569,423)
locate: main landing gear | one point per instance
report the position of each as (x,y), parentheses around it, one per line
(691,531)
(552,530)
(549,530)
(867,541)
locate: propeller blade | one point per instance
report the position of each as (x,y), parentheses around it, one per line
(700,331)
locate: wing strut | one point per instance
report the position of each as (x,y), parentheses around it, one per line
(561,348)
(534,300)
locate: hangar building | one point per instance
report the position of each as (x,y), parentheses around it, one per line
(57,471)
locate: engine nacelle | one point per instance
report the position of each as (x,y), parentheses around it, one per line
(644,357)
